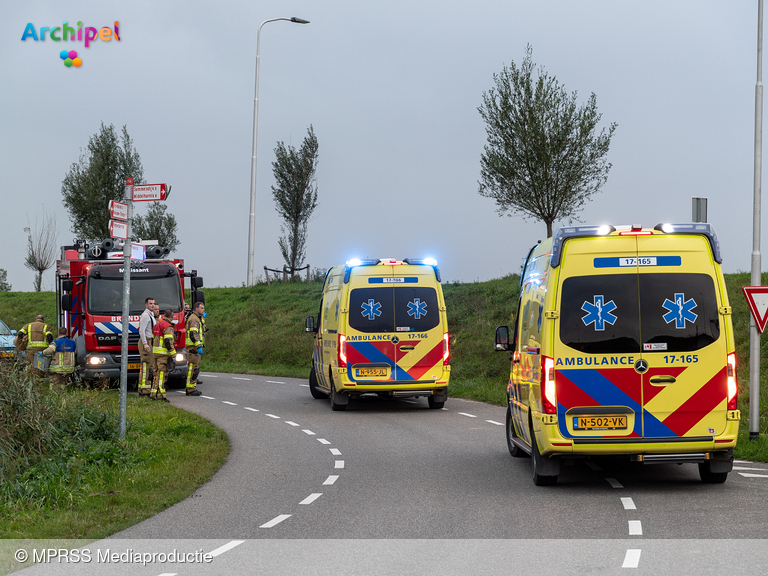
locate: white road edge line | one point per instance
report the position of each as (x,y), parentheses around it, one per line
(635,528)
(230,403)
(221,549)
(275,521)
(272,416)
(614,483)
(208,397)
(311,498)
(632,559)
(335,451)
(628,504)
(469,415)
(494,422)
(308,432)
(330,480)
(251,409)
(339,464)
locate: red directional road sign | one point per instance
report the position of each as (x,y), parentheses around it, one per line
(118,210)
(149,192)
(118,229)
(757,298)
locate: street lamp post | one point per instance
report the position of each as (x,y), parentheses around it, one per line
(252,216)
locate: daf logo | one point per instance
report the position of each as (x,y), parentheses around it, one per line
(641,366)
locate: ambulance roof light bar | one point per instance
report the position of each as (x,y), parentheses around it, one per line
(425,262)
(694,228)
(349,264)
(564,234)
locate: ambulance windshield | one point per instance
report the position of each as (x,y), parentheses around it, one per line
(105,295)
(628,313)
(397,309)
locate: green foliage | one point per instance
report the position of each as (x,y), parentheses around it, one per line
(98,177)
(542,157)
(295,195)
(4,285)
(20,308)
(158,225)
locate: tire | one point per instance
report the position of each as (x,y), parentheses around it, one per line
(709,477)
(538,463)
(316,394)
(514,449)
(334,397)
(434,404)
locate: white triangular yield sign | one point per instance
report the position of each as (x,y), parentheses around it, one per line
(757,298)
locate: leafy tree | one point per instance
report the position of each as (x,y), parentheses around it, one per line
(158,225)
(295,195)
(98,177)
(4,285)
(41,248)
(543,157)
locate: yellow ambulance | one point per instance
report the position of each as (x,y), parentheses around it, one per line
(382,329)
(623,345)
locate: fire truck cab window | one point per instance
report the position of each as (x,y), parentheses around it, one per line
(105,295)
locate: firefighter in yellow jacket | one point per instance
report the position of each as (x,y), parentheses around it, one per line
(63,364)
(39,336)
(194,343)
(162,349)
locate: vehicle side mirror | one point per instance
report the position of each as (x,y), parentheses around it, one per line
(199,296)
(502,339)
(197,282)
(67,285)
(66,302)
(309,324)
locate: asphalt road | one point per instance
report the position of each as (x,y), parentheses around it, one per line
(392,487)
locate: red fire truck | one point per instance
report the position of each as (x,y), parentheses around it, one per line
(89,300)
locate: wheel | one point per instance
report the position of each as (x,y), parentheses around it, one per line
(335,406)
(540,464)
(514,449)
(434,404)
(709,477)
(316,394)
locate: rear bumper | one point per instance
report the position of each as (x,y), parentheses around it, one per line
(399,389)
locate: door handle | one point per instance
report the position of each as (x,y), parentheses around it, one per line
(663,380)
(407,347)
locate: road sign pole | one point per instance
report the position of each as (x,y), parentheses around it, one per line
(754,335)
(126,314)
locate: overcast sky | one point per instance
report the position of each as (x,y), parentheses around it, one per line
(392,90)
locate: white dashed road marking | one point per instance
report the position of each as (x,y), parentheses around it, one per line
(208,397)
(304,385)
(273,416)
(748,475)
(635,528)
(468,415)
(339,464)
(632,559)
(220,550)
(614,483)
(593,466)
(275,521)
(746,468)
(230,403)
(330,480)
(236,378)
(494,422)
(309,432)
(274,382)
(251,409)
(291,423)
(311,498)
(335,451)
(628,504)
(323,441)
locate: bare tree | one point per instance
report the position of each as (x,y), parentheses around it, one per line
(42,243)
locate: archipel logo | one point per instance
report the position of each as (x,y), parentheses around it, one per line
(64,33)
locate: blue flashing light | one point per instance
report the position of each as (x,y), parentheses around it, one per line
(695,228)
(354,262)
(425,262)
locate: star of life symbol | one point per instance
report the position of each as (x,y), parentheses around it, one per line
(371,309)
(599,313)
(417,308)
(680,310)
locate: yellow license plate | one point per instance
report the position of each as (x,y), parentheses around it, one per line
(599,422)
(368,372)
(134,366)
(6,354)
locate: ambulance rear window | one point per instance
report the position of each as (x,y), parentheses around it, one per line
(393,309)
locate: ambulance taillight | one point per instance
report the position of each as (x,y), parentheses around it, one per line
(341,351)
(733,388)
(446,349)
(548,401)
